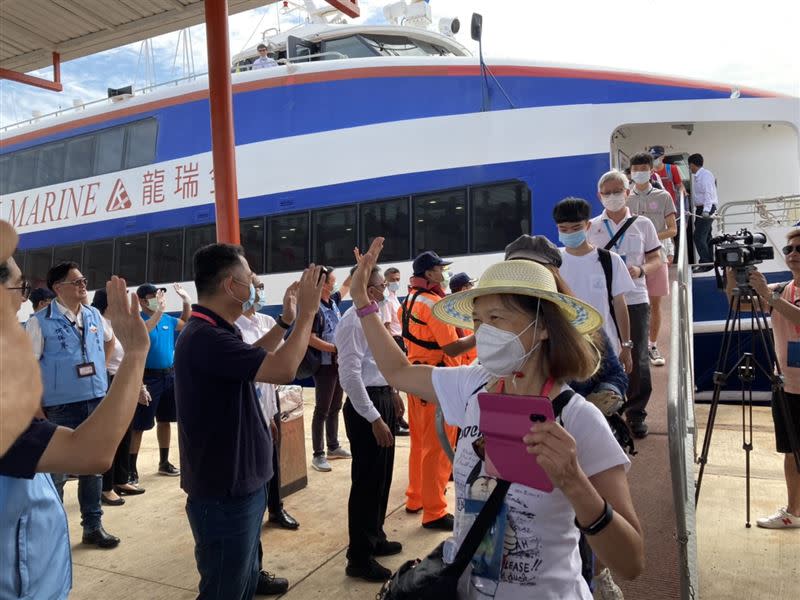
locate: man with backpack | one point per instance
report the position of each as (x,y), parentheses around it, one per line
(596,275)
(635,239)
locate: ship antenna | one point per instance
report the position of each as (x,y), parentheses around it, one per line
(477,35)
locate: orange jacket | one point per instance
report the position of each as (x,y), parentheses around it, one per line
(423,326)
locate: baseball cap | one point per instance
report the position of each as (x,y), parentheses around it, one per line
(144,290)
(656,151)
(459,281)
(426,261)
(537,248)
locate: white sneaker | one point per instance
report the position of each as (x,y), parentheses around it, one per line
(655,357)
(321,464)
(605,588)
(339,453)
(782,519)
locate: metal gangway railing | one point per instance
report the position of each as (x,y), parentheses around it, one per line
(682,431)
(759,213)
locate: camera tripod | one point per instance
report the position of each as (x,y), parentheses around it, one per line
(746,368)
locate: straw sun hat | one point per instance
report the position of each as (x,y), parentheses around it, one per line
(521,277)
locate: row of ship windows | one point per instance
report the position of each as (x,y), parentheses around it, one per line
(453,222)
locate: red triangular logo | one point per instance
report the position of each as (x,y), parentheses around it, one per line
(119,199)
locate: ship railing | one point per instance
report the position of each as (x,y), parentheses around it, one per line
(682,431)
(295,59)
(759,213)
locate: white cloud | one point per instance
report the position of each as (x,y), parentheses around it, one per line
(751,44)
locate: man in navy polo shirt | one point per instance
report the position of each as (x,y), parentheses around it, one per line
(225,444)
(158,375)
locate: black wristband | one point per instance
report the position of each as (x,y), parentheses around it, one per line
(281,323)
(599,524)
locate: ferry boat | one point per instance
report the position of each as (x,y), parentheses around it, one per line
(394,130)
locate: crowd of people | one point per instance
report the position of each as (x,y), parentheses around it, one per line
(577,324)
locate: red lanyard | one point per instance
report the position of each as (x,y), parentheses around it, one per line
(200,315)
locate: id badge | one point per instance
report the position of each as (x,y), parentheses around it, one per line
(86,370)
(793,354)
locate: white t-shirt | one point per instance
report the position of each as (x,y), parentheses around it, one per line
(584,274)
(113,362)
(540,558)
(253,329)
(639,239)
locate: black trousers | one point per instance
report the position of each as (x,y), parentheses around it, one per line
(119,473)
(371,476)
(274,502)
(641,385)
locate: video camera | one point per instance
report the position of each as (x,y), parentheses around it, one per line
(741,251)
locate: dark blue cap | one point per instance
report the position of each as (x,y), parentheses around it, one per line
(459,281)
(146,289)
(426,261)
(656,151)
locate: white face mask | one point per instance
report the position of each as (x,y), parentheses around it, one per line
(501,352)
(640,177)
(394,286)
(613,202)
(152,304)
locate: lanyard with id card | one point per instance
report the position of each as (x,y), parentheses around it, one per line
(86,368)
(793,348)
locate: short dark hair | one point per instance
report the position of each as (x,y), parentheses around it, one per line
(696,160)
(5,271)
(642,158)
(100,300)
(261,47)
(571,210)
(391,271)
(59,273)
(212,263)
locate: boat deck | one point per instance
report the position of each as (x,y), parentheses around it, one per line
(155,559)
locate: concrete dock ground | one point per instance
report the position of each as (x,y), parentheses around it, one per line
(155,559)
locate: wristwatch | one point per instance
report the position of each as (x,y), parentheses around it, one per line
(370,308)
(628,344)
(281,323)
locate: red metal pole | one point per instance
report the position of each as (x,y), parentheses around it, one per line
(223,145)
(53,86)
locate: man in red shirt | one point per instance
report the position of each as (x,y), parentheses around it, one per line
(669,174)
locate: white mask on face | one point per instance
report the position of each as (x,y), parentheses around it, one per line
(152,304)
(613,202)
(640,177)
(393,286)
(501,352)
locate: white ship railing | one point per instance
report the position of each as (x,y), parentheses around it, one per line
(759,213)
(681,420)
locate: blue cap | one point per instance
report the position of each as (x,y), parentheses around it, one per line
(146,289)
(426,261)
(656,151)
(459,281)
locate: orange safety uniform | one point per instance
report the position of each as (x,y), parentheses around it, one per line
(428,466)
(471,355)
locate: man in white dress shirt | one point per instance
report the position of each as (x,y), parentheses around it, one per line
(704,197)
(264,60)
(370,412)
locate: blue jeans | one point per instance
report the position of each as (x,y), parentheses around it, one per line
(227,532)
(89,486)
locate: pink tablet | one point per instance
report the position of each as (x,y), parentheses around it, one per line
(505,420)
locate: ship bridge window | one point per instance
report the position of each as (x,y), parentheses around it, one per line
(397,45)
(440,223)
(80,153)
(334,235)
(50,166)
(354,46)
(140,143)
(499,214)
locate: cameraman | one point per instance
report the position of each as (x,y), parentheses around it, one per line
(784,306)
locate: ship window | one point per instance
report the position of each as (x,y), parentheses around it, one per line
(130,259)
(38,264)
(98,261)
(287,247)
(334,236)
(498,215)
(19,258)
(108,150)
(196,238)
(388,219)
(165,256)
(80,153)
(140,147)
(440,223)
(23,173)
(352,47)
(252,236)
(69,253)
(397,45)
(50,166)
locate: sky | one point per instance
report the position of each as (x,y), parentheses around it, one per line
(750,44)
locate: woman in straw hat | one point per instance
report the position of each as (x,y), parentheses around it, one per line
(531,339)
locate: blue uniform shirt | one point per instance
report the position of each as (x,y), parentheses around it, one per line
(162,343)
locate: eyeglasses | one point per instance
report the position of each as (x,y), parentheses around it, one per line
(24,289)
(82,282)
(787,250)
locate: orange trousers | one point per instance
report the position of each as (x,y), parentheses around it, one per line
(428,466)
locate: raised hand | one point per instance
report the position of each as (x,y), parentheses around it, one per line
(556,452)
(162,301)
(358,286)
(290,303)
(182,293)
(309,290)
(123,312)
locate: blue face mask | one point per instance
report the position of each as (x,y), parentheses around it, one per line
(251,300)
(261,300)
(572,240)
